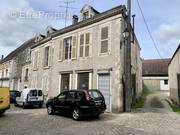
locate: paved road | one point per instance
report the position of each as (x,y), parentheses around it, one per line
(153,119)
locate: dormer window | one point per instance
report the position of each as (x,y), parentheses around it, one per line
(86,15)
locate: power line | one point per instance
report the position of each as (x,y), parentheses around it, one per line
(67,7)
(149,32)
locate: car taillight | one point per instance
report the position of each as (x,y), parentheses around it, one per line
(87,95)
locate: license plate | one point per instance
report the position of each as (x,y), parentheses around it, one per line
(97,104)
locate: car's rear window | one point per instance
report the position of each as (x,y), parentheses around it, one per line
(33,93)
(95,94)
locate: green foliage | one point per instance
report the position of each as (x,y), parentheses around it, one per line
(140,101)
(174,107)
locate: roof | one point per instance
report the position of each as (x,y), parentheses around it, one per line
(93,9)
(101,16)
(174,54)
(155,67)
(19,49)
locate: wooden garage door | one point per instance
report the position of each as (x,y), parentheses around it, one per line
(104,87)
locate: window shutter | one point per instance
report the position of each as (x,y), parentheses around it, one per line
(50,56)
(74,47)
(38,58)
(60,55)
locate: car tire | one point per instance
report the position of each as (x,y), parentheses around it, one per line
(50,110)
(76,114)
(1,112)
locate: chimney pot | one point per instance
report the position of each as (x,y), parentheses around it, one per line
(75,19)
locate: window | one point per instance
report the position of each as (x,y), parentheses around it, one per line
(46,56)
(6,72)
(26,74)
(62,96)
(83,81)
(104,39)
(166,82)
(84,45)
(85,15)
(79,95)
(60,51)
(70,95)
(35,60)
(65,82)
(67,48)
(33,93)
(40,93)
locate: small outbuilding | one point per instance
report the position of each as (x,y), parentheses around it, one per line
(155,74)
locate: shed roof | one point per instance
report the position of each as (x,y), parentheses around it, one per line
(155,67)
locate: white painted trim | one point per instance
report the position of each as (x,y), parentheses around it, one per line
(155,78)
(76,78)
(59,83)
(90,80)
(70,81)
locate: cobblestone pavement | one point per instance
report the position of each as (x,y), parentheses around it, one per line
(147,121)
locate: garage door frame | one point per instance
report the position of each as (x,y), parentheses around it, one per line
(110,91)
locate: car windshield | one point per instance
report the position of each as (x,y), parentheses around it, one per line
(95,94)
(33,93)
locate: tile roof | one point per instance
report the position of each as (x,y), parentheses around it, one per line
(101,16)
(14,53)
(155,67)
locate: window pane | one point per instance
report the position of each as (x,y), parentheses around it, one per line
(104,46)
(46,60)
(67,48)
(83,80)
(87,38)
(81,51)
(33,93)
(104,33)
(65,82)
(81,39)
(86,51)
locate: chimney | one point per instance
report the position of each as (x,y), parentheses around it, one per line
(75,19)
(2,57)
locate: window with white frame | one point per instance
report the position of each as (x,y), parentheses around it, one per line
(84,45)
(67,48)
(46,56)
(104,42)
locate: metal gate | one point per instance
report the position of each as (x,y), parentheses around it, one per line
(104,87)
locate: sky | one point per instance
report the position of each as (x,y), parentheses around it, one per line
(21,20)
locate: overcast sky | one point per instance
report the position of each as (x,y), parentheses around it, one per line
(163,18)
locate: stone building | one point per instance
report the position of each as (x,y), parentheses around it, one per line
(88,54)
(12,65)
(174,77)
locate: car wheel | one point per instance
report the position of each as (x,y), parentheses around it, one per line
(1,112)
(76,114)
(24,106)
(50,110)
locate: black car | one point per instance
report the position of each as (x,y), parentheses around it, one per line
(13,95)
(78,103)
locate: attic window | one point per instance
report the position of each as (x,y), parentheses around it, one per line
(86,15)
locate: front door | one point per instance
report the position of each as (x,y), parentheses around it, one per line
(104,87)
(65,82)
(83,81)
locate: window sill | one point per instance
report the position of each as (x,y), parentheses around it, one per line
(48,67)
(104,54)
(35,69)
